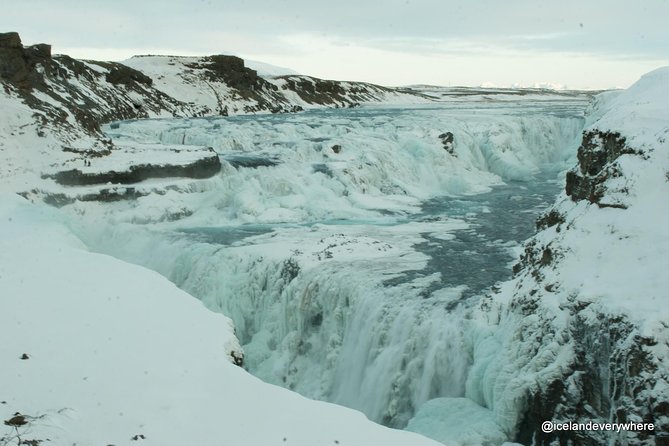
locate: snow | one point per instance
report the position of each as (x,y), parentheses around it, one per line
(265,69)
(172,76)
(326,234)
(23,154)
(117,351)
(625,248)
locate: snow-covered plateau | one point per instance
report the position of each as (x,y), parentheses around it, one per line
(464,264)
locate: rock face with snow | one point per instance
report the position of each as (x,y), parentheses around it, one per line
(67,100)
(223,85)
(582,329)
(597,158)
(198,168)
(16,62)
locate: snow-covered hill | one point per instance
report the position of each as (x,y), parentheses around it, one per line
(52,108)
(223,85)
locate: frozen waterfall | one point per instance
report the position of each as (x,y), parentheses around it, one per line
(337,241)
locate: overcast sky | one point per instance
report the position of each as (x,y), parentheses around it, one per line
(579,44)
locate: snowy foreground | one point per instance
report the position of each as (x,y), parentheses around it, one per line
(115,351)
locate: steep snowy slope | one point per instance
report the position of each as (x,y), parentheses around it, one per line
(51,109)
(223,85)
(581,333)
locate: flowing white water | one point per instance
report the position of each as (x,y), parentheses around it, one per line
(349,272)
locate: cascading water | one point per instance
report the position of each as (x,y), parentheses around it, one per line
(349,270)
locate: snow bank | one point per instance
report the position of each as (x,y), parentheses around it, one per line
(114,352)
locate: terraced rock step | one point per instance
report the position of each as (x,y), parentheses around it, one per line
(199,169)
(138,163)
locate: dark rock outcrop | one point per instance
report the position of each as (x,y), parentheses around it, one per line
(40,51)
(121,74)
(551,218)
(17,64)
(597,158)
(447,141)
(232,71)
(10,40)
(14,66)
(331,93)
(202,168)
(608,381)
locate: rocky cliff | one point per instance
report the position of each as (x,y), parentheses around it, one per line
(581,331)
(53,107)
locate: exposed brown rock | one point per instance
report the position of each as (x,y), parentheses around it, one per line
(17,420)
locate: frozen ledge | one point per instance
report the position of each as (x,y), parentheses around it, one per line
(125,166)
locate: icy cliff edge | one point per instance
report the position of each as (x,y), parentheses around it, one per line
(581,331)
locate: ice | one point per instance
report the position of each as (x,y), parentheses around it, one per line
(457,422)
(317,255)
(302,301)
(315,240)
(390,159)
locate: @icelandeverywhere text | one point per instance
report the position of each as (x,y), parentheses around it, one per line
(551,426)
